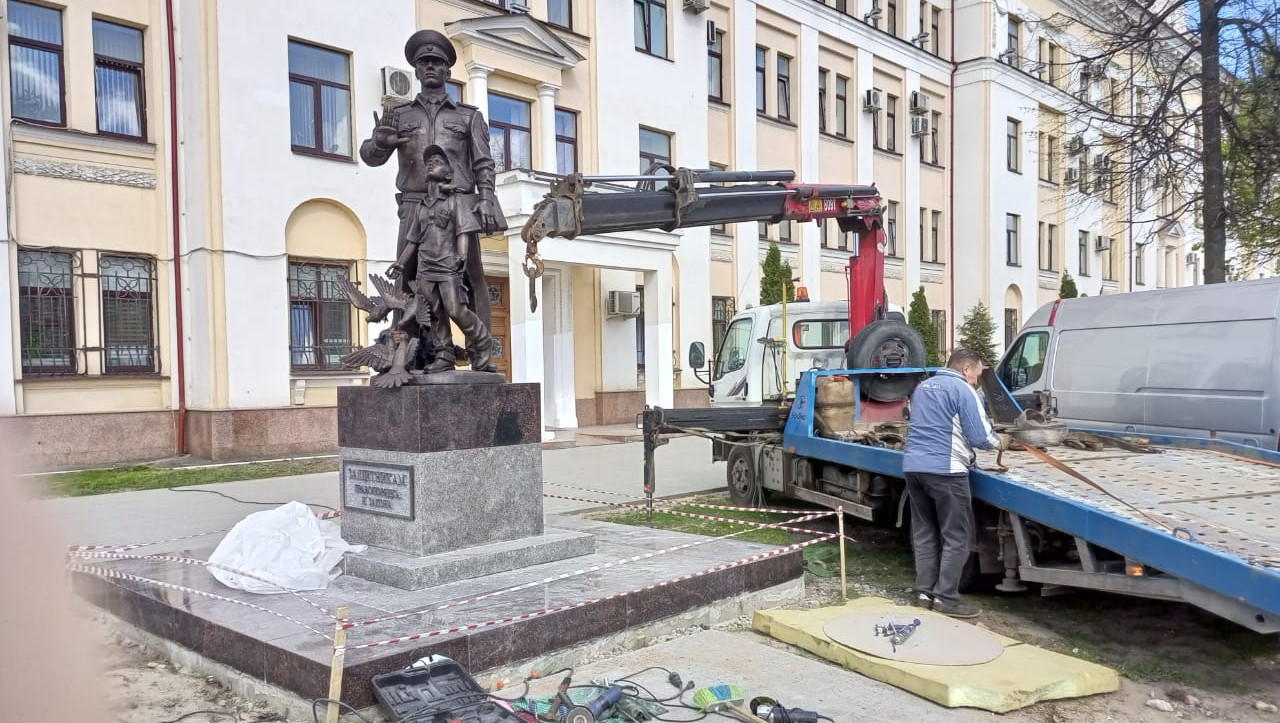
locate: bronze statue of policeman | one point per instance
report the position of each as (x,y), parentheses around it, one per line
(460,131)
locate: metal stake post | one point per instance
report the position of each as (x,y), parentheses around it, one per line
(844,584)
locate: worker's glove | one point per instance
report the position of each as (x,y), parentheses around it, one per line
(1004,442)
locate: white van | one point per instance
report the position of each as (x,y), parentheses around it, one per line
(1198,361)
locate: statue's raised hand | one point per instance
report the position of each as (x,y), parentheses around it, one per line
(385,136)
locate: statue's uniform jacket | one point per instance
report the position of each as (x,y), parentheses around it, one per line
(461,132)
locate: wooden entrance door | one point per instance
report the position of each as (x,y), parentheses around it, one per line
(500,327)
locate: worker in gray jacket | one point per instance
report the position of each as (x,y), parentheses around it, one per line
(947,422)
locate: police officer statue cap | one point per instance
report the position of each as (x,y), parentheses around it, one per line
(429,43)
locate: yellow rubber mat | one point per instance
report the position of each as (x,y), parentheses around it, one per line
(1020,676)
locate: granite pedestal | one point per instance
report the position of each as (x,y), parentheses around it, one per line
(444,483)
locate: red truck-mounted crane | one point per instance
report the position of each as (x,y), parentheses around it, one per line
(689,197)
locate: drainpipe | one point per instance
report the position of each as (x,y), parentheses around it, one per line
(176,211)
(951,170)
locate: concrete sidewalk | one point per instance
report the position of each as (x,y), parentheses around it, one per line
(684,466)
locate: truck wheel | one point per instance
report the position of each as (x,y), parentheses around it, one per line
(886,344)
(741,475)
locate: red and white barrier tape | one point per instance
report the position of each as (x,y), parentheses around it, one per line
(594,492)
(571,606)
(730,508)
(575,573)
(696,516)
(122,548)
(113,574)
(202,563)
(683,503)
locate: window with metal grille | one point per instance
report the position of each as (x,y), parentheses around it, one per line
(940,329)
(319,316)
(651,26)
(128,320)
(510,133)
(1010,326)
(319,101)
(46,312)
(721,312)
(118,72)
(36,85)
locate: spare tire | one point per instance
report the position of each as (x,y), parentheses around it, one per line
(886,344)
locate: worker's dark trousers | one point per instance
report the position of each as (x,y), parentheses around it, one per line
(941,515)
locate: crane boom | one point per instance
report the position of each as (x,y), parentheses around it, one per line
(570,211)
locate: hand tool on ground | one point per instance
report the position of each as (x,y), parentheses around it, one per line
(595,708)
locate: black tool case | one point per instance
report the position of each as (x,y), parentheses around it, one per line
(440,691)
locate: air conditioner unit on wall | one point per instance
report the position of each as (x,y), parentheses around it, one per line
(697,7)
(1071,175)
(919,126)
(1075,145)
(397,84)
(711,32)
(871,100)
(623,303)
(1102,243)
(919,102)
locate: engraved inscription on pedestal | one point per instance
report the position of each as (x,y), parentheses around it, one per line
(380,489)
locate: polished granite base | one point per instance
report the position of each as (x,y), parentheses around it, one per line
(282,654)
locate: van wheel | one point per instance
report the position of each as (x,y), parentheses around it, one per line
(886,344)
(741,476)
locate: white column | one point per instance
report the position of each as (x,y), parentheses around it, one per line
(547,127)
(478,86)
(8,353)
(659,389)
(810,233)
(746,252)
(526,339)
(912,257)
(861,121)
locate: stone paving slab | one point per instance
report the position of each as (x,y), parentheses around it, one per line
(1021,676)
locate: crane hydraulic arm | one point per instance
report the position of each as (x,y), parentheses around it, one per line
(569,210)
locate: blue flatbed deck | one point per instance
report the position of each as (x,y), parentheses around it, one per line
(1226,496)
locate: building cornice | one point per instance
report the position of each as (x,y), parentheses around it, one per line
(519,35)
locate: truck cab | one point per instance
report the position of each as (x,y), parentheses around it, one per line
(748,367)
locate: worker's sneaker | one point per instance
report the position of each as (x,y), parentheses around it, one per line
(923,601)
(958,609)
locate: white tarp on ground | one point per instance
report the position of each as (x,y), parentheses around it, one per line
(288,546)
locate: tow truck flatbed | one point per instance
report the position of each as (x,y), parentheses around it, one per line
(1224,497)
